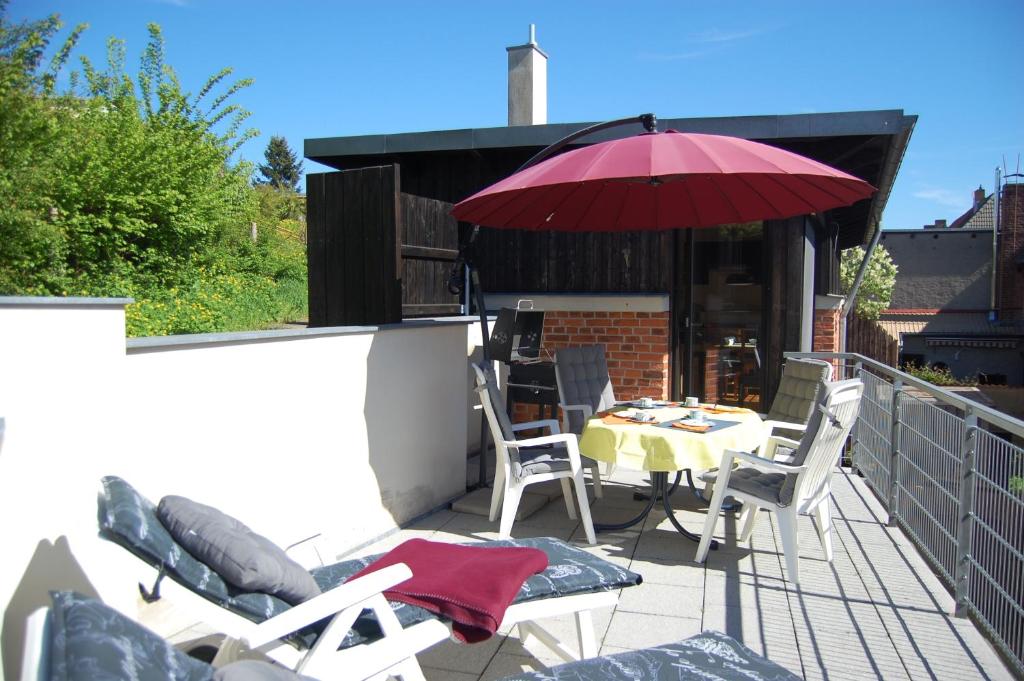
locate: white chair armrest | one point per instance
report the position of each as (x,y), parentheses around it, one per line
(758,462)
(550,424)
(327,604)
(786,425)
(558,438)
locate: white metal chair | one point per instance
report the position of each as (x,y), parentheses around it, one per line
(787,417)
(584,389)
(525,462)
(802,486)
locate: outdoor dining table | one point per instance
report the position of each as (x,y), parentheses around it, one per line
(663,447)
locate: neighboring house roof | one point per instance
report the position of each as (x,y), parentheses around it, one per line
(975,324)
(980,217)
(941,269)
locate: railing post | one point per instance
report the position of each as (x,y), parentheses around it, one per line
(894,451)
(965,520)
(854,439)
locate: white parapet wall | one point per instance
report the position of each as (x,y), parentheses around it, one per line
(345,433)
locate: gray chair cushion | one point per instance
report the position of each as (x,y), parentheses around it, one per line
(243,558)
(582,375)
(711,656)
(89,640)
(767,486)
(129,519)
(783,454)
(798,392)
(497,401)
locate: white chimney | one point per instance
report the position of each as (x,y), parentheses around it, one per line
(527,83)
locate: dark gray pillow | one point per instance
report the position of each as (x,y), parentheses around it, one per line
(243,558)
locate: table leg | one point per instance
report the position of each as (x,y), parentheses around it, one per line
(659,489)
(730,506)
(682,530)
(640,496)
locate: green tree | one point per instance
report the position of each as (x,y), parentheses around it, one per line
(875,291)
(125,186)
(283,169)
(32,246)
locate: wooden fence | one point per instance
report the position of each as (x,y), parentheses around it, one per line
(376,255)
(866,337)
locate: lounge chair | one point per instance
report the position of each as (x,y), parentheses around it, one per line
(114,647)
(575,583)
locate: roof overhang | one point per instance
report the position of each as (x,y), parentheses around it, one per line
(867,144)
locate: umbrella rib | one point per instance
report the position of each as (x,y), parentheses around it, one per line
(693,204)
(767,200)
(803,178)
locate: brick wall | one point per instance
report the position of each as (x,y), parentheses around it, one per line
(826,330)
(1010,277)
(637,346)
(826,333)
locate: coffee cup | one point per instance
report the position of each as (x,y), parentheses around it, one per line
(692,402)
(697,415)
(646,402)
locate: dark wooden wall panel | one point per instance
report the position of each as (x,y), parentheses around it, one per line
(352,223)
(316,255)
(430,243)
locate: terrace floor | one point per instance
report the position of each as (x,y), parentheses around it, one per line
(877,612)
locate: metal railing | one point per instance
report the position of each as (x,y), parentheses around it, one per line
(950,472)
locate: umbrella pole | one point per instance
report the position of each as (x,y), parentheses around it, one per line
(466,259)
(465,271)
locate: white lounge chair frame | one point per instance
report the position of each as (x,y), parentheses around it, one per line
(394,655)
(812,493)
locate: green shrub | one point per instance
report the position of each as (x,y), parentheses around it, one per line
(937,375)
(124,186)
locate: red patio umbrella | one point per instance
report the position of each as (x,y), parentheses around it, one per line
(666,180)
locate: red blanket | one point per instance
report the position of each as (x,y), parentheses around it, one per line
(469,585)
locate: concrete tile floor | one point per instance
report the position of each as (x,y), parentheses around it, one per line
(876,612)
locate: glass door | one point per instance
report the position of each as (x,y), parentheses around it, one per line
(719,302)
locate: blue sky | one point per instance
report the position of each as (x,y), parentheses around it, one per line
(330,68)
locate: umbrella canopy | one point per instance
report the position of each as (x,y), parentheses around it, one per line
(656,181)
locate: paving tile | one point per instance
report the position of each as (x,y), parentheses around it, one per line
(662,571)
(662,599)
(637,630)
(505,664)
(564,629)
(460,657)
(432,674)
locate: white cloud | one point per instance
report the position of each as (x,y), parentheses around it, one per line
(943,197)
(672,56)
(716,35)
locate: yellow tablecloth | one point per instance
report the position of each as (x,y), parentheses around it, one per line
(658,448)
